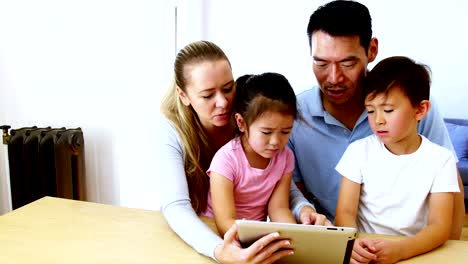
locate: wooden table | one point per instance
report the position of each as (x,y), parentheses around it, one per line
(54,230)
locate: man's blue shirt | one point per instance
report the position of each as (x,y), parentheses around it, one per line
(320,141)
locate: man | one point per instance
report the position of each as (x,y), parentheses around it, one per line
(341,46)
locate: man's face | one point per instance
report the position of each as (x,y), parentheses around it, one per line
(340,64)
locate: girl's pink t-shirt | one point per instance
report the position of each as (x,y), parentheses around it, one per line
(252,187)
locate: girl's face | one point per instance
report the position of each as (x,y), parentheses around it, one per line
(267,135)
(210,91)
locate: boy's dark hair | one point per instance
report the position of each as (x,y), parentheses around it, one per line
(258,94)
(412,78)
(342,18)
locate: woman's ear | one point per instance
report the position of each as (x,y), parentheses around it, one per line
(183,97)
(240,122)
(422,109)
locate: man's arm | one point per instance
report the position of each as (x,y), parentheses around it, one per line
(303,210)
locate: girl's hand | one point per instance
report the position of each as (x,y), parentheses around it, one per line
(363,251)
(266,250)
(387,251)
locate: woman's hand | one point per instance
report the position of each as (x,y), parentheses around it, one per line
(266,250)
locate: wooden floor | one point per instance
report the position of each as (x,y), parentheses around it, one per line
(465,229)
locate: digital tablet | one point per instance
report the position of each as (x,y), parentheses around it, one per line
(311,244)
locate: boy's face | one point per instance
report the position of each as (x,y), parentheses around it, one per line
(394,120)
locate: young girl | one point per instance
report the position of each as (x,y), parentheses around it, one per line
(250,176)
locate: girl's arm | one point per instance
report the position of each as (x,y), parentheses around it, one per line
(278,205)
(222,199)
(348,201)
(182,219)
(433,235)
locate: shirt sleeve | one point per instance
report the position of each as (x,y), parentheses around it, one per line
(433,128)
(297,176)
(350,164)
(289,156)
(224,163)
(446,179)
(174,195)
(296,198)
(297,201)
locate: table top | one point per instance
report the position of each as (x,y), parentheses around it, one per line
(55,230)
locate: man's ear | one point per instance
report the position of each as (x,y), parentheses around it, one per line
(422,109)
(240,122)
(373,49)
(183,97)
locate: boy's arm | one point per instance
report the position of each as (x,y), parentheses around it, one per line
(433,235)
(458,211)
(348,201)
(346,214)
(222,199)
(278,205)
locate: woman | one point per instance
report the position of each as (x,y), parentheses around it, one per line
(198,121)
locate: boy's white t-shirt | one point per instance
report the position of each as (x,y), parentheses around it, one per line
(395,188)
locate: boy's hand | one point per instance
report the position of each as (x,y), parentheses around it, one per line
(387,251)
(363,251)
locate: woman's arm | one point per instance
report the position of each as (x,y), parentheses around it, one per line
(433,235)
(278,205)
(348,201)
(222,199)
(174,194)
(178,211)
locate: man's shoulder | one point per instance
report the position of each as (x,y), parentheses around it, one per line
(307,94)
(309,102)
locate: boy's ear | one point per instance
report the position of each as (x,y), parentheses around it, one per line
(240,122)
(423,109)
(183,97)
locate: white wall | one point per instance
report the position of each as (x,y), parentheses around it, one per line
(103,65)
(267,35)
(100,65)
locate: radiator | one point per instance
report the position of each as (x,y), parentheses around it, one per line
(45,162)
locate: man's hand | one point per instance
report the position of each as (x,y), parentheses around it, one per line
(308,216)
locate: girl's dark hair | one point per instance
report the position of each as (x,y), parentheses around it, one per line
(258,94)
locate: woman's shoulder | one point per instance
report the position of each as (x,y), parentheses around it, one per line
(167,132)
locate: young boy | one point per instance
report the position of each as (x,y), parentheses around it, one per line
(396,181)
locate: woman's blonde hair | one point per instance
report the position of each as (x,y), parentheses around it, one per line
(197,150)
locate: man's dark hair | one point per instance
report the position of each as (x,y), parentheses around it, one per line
(342,18)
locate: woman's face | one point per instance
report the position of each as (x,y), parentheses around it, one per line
(210,91)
